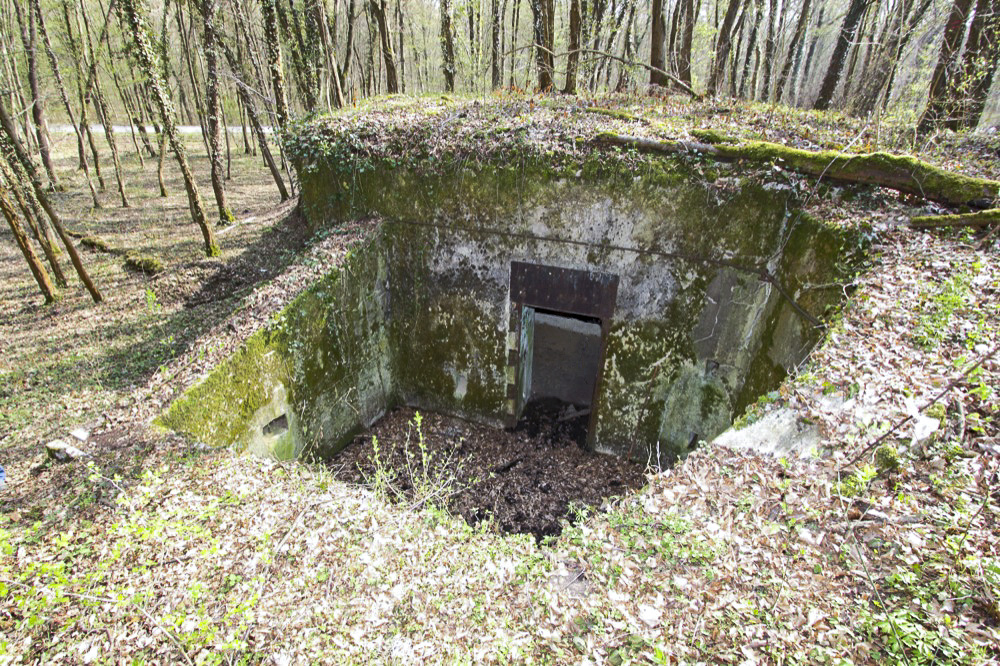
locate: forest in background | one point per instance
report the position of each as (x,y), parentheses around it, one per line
(127,73)
(861,56)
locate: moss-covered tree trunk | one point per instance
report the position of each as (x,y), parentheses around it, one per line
(447,47)
(209,8)
(898,172)
(37,270)
(133,14)
(275,66)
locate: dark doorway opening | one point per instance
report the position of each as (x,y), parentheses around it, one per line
(560,320)
(565,362)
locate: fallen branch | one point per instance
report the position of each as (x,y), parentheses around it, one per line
(981,218)
(947,389)
(902,173)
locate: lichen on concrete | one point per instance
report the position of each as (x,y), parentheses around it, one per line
(421,314)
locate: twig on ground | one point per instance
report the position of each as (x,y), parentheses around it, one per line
(899,424)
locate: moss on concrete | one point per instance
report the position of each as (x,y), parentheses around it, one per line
(421,314)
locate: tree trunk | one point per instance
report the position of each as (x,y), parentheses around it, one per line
(54,64)
(78,54)
(132,14)
(573,60)
(657,57)
(745,91)
(7,125)
(515,23)
(385,41)
(855,12)
(244,93)
(274,64)
(938,107)
(542,14)
(902,173)
(348,47)
(29,39)
(447,47)
(793,49)
(93,88)
(722,47)
(496,64)
(37,270)
(26,201)
(687,38)
(770,49)
(979,66)
(209,8)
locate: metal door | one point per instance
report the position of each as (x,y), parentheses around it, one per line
(526,352)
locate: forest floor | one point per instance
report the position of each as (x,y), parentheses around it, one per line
(159,550)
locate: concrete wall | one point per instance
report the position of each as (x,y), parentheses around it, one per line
(323,365)
(423,315)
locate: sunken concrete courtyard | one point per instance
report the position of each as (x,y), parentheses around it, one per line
(643,302)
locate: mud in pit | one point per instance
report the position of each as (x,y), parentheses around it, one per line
(525,479)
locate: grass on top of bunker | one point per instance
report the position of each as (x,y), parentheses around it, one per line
(532,479)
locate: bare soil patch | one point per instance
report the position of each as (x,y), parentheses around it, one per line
(526,480)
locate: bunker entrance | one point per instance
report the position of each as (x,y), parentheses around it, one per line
(535,331)
(560,366)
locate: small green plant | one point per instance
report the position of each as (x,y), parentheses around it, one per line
(152,303)
(857,483)
(887,459)
(953,296)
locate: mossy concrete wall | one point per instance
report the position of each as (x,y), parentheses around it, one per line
(422,315)
(696,335)
(323,364)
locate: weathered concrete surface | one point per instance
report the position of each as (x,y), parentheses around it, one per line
(779,433)
(323,365)
(423,315)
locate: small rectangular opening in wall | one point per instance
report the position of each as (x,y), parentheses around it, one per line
(278,426)
(560,319)
(566,358)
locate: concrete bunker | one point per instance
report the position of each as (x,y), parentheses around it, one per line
(669,300)
(670,341)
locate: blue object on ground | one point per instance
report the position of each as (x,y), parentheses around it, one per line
(3,477)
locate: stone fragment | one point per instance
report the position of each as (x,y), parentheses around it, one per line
(81,434)
(779,433)
(60,451)
(924,428)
